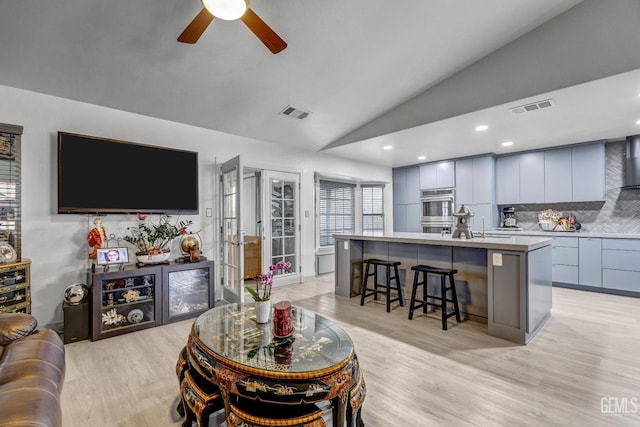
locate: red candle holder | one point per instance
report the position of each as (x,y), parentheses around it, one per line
(282,319)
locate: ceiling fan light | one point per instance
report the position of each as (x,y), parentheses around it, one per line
(228,10)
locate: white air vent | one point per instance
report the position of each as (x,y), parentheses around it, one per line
(539,105)
(294,113)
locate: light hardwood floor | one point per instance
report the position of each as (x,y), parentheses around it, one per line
(416,373)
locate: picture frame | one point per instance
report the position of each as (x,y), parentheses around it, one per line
(110,256)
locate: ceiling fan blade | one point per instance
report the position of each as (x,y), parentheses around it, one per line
(266,35)
(194,30)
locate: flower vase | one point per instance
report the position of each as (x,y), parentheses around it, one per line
(153,258)
(263,311)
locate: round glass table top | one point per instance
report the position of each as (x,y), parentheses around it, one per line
(231,332)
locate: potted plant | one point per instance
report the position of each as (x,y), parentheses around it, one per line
(262,292)
(152,241)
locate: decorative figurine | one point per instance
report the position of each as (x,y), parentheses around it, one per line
(112,317)
(96,238)
(463,216)
(131,295)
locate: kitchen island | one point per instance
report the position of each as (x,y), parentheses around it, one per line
(502,281)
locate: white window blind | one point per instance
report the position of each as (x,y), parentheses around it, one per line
(372,208)
(336,214)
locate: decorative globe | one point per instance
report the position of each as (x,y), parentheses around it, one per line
(188,242)
(76,294)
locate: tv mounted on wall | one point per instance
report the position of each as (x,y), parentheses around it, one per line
(98,175)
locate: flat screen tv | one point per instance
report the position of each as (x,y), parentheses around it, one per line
(98,175)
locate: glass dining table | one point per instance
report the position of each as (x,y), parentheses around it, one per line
(242,359)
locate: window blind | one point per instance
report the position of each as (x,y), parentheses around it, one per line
(372,208)
(336,212)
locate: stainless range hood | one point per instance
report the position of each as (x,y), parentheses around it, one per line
(632,174)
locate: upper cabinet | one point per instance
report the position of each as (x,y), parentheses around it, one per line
(508,180)
(437,175)
(588,173)
(557,176)
(531,178)
(573,174)
(406,185)
(475,181)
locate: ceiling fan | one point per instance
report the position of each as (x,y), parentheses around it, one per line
(231,10)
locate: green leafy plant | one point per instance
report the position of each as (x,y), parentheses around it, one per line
(155,238)
(264,281)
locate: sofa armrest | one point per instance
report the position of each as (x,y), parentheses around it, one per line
(15,325)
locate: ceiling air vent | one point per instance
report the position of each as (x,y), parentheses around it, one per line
(539,105)
(294,113)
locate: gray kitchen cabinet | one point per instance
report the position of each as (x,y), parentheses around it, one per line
(475,186)
(484,171)
(558,184)
(399,218)
(590,261)
(413,218)
(588,173)
(406,218)
(508,180)
(565,260)
(464,182)
(531,174)
(437,175)
(406,185)
(621,264)
(406,199)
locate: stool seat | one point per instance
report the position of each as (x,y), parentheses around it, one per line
(434,270)
(381,288)
(382,262)
(426,297)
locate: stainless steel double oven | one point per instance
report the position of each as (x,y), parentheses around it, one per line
(437,210)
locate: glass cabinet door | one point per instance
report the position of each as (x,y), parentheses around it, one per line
(125,301)
(188,290)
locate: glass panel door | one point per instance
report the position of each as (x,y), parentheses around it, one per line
(282,226)
(232,232)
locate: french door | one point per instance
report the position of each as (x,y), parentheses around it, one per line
(282,225)
(232,231)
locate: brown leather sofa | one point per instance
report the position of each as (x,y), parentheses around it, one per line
(32,370)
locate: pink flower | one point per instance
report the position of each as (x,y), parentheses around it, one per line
(141,217)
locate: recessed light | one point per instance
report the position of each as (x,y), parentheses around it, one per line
(387,147)
(481,128)
(422,157)
(638,122)
(507,143)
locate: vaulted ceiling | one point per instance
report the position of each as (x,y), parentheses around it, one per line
(415,74)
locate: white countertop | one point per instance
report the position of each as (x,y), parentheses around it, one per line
(565,234)
(522,243)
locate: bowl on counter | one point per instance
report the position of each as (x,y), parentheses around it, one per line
(547,225)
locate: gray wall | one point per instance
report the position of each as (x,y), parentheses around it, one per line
(619,213)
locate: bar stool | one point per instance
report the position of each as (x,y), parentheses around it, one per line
(424,302)
(255,414)
(386,287)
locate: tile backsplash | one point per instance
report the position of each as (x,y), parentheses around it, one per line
(619,213)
